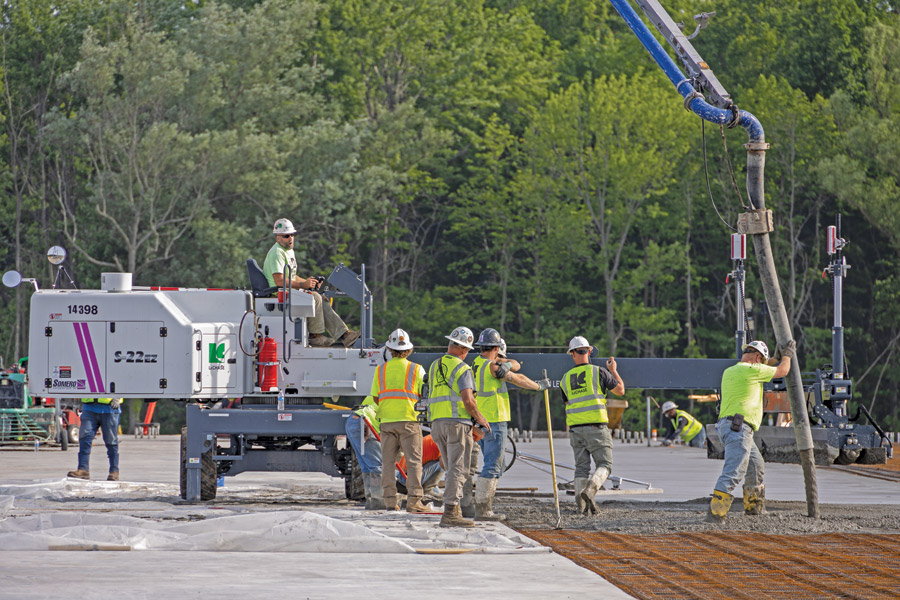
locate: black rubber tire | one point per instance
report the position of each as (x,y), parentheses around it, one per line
(63,439)
(207,472)
(72,434)
(353,485)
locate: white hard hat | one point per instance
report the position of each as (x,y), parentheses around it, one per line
(669,405)
(759,347)
(399,340)
(578,342)
(462,336)
(283,226)
(502,348)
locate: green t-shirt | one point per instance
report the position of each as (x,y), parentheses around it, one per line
(275,261)
(742,391)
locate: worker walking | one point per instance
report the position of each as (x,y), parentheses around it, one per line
(492,373)
(361,427)
(740,415)
(451,408)
(281,254)
(102,414)
(681,423)
(397,387)
(584,389)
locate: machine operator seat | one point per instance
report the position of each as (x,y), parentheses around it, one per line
(259,285)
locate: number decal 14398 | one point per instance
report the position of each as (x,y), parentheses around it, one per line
(82,309)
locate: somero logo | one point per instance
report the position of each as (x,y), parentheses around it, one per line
(69,384)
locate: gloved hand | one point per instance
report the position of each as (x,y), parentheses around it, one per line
(667,443)
(789,350)
(543,384)
(115,403)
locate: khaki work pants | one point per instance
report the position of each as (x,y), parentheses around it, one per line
(454,440)
(405,435)
(325,318)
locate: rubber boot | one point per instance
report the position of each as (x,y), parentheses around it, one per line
(467,504)
(755,500)
(374,491)
(592,487)
(414,505)
(485,488)
(718,507)
(453,517)
(580,482)
(79,474)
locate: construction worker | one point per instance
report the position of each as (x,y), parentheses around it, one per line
(397,387)
(451,408)
(102,414)
(492,373)
(281,254)
(432,466)
(362,427)
(584,389)
(690,429)
(740,415)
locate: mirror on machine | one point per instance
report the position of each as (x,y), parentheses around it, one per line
(12,279)
(56,255)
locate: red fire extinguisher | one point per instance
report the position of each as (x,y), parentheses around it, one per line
(268,364)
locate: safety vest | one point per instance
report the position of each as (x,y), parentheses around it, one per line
(97,400)
(692,428)
(369,411)
(444,399)
(491,393)
(586,403)
(399,388)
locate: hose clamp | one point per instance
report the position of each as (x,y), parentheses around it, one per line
(690,98)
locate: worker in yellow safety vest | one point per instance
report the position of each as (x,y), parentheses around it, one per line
(584,389)
(102,414)
(397,387)
(451,408)
(492,373)
(683,424)
(362,429)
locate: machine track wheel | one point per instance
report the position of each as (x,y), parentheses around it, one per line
(207,471)
(353,484)
(72,434)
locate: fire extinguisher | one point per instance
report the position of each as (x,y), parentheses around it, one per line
(268,363)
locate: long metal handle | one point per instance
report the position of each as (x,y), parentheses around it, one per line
(552,456)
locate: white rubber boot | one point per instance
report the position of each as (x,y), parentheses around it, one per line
(580,482)
(374,491)
(593,486)
(467,504)
(485,488)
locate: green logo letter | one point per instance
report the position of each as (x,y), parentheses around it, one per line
(216,352)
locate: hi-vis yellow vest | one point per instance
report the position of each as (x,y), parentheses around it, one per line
(397,387)
(444,400)
(491,393)
(692,428)
(586,404)
(368,410)
(97,400)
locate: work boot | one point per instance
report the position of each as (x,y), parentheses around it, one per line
(374,491)
(591,488)
(390,503)
(348,338)
(485,488)
(113,476)
(718,507)
(79,474)
(320,340)
(580,483)
(467,504)
(414,505)
(755,500)
(453,517)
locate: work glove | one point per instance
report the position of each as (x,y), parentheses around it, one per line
(115,403)
(543,384)
(789,350)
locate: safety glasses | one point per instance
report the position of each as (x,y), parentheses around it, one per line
(582,351)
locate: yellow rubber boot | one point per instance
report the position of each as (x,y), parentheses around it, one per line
(718,507)
(755,500)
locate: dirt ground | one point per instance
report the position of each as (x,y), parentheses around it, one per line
(657,518)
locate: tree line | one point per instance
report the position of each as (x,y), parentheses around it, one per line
(521,165)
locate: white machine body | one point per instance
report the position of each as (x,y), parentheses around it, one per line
(180,343)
